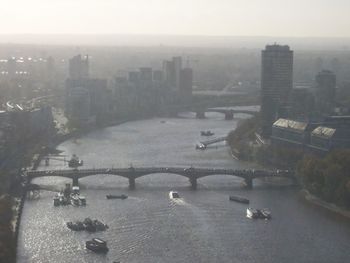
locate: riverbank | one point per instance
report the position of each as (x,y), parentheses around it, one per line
(312,199)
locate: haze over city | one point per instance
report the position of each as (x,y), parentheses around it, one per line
(174,131)
(26,21)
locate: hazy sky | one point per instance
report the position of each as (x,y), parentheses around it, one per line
(184,17)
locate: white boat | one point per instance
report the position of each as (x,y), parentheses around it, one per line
(97,245)
(174,195)
(258,213)
(200,146)
(252,213)
(74,199)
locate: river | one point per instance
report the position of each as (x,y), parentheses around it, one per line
(202,226)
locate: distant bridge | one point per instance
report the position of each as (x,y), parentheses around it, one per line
(133,173)
(201,110)
(229,113)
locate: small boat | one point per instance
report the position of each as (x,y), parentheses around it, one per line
(174,195)
(90,225)
(265,213)
(74,199)
(56,201)
(77,226)
(75,162)
(82,200)
(117,196)
(252,213)
(60,199)
(206,133)
(200,146)
(97,245)
(258,213)
(239,199)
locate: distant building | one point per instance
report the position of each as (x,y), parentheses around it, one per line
(169,75)
(78,105)
(157,75)
(79,67)
(317,138)
(288,133)
(178,67)
(325,92)
(86,99)
(302,103)
(172,73)
(186,80)
(324,139)
(276,84)
(145,78)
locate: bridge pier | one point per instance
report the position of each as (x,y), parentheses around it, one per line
(200,115)
(193,182)
(229,115)
(75,181)
(248,183)
(132,183)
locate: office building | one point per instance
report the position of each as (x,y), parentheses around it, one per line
(79,67)
(325,92)
(276,84)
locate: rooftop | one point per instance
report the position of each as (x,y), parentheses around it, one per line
(290,124)
(322,131)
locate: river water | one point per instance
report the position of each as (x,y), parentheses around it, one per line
(202,226)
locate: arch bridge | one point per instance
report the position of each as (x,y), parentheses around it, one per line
(201,110)
(193,174)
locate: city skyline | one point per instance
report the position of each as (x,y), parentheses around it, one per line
(155,17)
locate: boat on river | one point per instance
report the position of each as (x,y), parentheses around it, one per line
(174,195)
(60,199)
(239,199)
(97,245)
(258,213)
(265,213)
(207,133)
(75,198)
(75,162)
(200,146)
(90,225)
(117,196)
(252,213)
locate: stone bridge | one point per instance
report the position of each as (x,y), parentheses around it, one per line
(200,111)
(229,113)
(193,174)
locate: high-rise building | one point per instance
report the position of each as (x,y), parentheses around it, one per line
(97,94)
(79,67)
(186,80)
(157,75)
(146,78)
(177,67)
(86,98)
(325,91)
(172,73)
(169,74)
(276,84)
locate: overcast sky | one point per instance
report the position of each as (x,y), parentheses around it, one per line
(324,18)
